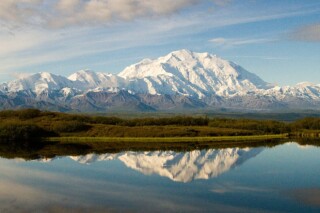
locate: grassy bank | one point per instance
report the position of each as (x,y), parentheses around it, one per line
(168,139)
(305,134)
(50,149)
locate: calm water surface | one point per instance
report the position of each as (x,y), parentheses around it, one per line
(285,178)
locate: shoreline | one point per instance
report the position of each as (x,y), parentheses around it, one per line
(62,146)
(167,139)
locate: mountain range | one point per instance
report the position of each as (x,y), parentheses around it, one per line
(177,166)
(181,80)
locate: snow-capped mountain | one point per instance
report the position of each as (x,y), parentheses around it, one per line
(180,167)
(191,74)
(86,79)
(180,80)
(38,83)
(304,90)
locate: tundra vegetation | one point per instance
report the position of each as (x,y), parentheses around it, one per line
(32,123)
(33,134)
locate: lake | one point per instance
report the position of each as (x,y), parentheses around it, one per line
(282,178)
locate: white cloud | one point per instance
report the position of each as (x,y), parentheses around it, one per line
(60,13)
(15,13)
(63,13)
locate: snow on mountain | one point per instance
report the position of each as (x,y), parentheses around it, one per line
(192,74)
(86,79)
(38,83)
(204,80)
(83,80)
(91,158)
(66,91)
(180,167)
(304,90)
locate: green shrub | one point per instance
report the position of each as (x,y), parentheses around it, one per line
(307,123)
(28,113)
(8,114)
(106,120)
(21,131)
(261,126)
(177,120)
(68,126)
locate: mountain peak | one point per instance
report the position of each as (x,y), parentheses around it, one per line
(91,80)
(81,75)
(181,53)
(38,82)
(185,54)
(193,74)
(46,74)
(180,167)
(305,84)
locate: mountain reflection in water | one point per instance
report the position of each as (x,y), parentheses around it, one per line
(199,180)
(177,166)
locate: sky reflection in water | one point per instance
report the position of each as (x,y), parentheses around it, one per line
(284,178)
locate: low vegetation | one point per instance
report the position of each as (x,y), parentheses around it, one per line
(14,131)
(31,123)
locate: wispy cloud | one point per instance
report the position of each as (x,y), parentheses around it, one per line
(310,33)
(29,189)
(34,47)
(231,42)
(233,17)
(309,196)
(229,187)
(261,57)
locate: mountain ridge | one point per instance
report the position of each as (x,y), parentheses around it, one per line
(179,80)
(177,166)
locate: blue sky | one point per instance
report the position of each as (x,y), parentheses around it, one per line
(277,40)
